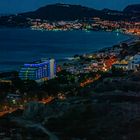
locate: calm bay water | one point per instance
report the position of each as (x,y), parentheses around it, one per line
(18,46)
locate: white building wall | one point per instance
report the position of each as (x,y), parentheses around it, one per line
(52,68)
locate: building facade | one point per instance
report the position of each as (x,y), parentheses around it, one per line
(134,64)
(39,71)
(121,66)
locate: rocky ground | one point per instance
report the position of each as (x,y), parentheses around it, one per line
(110,115)
(117,120)
(79,118)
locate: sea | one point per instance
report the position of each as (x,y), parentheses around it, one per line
(19,46)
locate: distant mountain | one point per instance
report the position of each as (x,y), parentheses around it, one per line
(57,12)
(72,12)
(106,10)
(63,12)
(135,9)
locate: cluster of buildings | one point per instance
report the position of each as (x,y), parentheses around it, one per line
(91,63)
(55,26)
(134,63)
(129,63)
(118,26)
(93,24)
(38,71)
(103,61)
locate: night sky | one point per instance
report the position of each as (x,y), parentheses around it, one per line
(16,6)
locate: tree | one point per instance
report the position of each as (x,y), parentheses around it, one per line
(52,87)
(117,71)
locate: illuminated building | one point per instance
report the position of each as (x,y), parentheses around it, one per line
(134,63)
(39,71)
(121,66)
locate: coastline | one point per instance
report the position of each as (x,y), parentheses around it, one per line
(129,41)
(68,59)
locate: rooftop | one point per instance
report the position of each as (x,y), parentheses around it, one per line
(38,63)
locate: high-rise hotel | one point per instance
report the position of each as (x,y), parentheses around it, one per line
(39,71)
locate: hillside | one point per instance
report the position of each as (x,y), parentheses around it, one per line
(63,11)
(67,12)
(133,9)
(72,12)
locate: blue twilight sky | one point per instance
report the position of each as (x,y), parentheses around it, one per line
(15,6)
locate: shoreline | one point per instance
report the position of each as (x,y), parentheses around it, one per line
(68,59)
(130,39)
